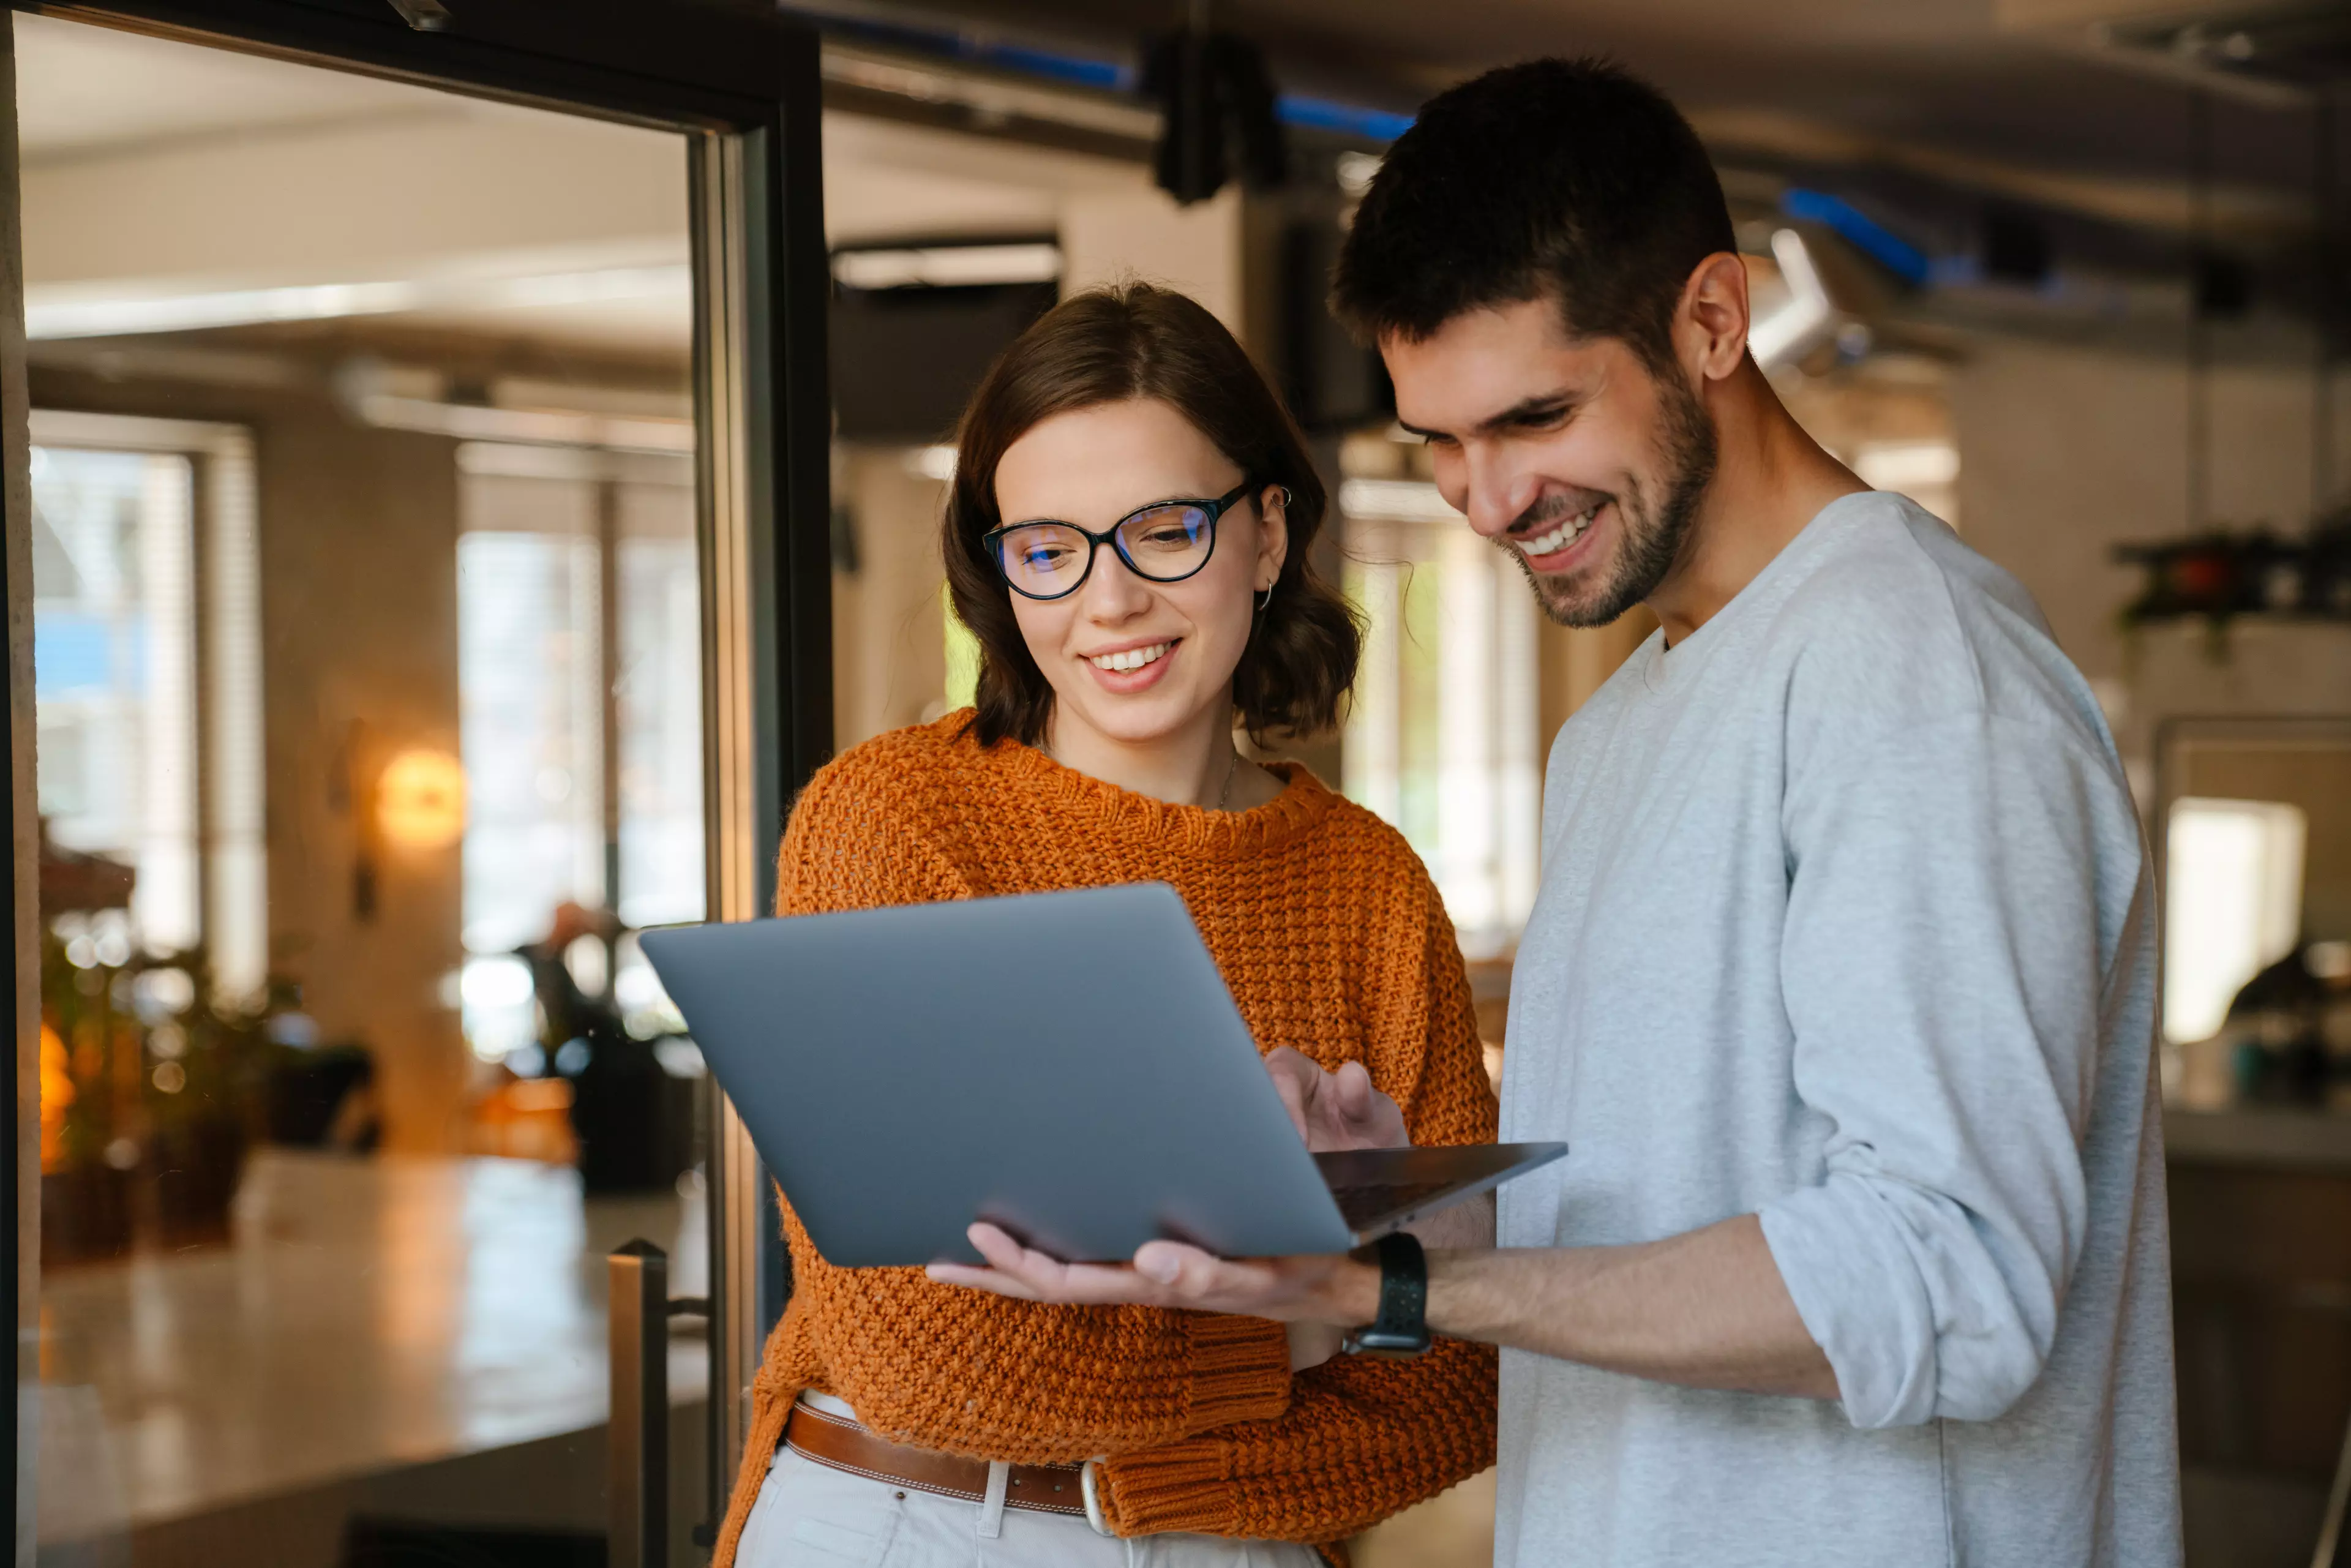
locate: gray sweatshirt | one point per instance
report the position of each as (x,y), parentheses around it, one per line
(1846,921)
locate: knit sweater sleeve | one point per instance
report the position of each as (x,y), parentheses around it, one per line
(1362,1440)
(1031,1383)
(855,840)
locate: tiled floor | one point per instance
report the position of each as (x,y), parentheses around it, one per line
(369,1315)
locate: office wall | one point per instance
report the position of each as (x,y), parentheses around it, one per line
(2066,452)
(889,630)
(1108,237)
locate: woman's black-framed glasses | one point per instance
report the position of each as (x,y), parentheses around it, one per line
(1165,541)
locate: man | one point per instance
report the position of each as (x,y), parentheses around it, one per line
(1841,984)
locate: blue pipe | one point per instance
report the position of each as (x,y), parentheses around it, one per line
(1864,233)
(1083,70)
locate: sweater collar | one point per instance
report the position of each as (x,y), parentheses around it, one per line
(1304,801)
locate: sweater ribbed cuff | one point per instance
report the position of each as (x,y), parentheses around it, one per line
(1182,1487)
(1240,1370)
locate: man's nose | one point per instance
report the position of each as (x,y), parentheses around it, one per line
(1494,491)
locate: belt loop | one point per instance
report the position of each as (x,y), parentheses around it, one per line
(991,1512)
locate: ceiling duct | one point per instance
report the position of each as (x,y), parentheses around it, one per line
(2279,53)
(1216,99)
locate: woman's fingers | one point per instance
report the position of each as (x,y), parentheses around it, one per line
(1371,1118)
(1283,1065)
(1341,1109)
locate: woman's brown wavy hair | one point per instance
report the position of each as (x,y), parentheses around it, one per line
(1138,342)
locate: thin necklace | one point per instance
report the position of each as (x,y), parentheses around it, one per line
(1223,795)
(1230,769)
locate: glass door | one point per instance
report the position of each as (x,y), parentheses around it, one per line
(417,547)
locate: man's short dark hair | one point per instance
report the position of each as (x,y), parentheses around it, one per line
(1567,180)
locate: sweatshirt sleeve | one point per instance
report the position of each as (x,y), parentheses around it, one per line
(1363,1438)
(1943,961)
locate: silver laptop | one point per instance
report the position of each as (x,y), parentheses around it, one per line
(1067,1066)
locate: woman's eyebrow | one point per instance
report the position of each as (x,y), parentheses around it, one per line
(1168,500)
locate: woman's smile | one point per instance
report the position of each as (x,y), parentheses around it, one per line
(1135,668)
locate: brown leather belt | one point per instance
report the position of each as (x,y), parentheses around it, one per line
(843,1445)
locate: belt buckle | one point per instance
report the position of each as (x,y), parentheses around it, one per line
(1094,1499)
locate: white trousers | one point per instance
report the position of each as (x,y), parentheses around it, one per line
(812,1516)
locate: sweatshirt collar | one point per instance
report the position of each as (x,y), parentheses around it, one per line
(1663,667)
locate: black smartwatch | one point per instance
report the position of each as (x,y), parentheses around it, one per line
(1402,1329)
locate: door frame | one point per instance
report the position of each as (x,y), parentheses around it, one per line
(743,86)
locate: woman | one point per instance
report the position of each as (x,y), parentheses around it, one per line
(1127,537)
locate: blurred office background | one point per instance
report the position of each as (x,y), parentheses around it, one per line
(368,605)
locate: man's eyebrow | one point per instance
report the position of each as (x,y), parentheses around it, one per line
(1526,411)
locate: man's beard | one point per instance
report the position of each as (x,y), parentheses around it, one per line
(1649,543)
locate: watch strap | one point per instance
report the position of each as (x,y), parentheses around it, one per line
(1401,1327)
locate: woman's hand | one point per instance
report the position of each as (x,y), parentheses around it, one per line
(1334,1111)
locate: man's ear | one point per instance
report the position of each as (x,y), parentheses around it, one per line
(1711,322)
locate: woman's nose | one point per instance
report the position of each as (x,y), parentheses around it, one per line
(1111,590)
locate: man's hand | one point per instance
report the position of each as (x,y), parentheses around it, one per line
(1706,1309)
(1332,1290)
(1334,1111)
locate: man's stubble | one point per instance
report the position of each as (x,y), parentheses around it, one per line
(1652,541)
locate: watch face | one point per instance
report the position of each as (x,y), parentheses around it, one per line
(1379,1341)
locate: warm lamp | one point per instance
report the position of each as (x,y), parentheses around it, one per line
(420,801)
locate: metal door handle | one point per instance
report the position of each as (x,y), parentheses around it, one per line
(424,16)
(636,1437)
(2339,1497)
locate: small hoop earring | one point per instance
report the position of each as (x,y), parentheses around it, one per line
(1264,599)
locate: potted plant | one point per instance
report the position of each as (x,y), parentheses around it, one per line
(90,1057)
(151,1095)
(202,1087)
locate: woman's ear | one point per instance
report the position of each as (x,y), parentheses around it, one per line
(1272,537)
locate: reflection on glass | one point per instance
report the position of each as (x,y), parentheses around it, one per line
(2234,873)
(368,641)
(532,675)
(659,696)
(526,678)
(114,658)
(1441,739)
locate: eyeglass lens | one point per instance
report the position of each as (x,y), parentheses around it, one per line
(1161,543)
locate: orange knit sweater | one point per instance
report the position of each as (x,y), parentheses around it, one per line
(1332,940)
